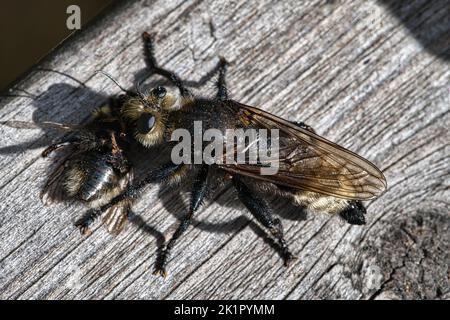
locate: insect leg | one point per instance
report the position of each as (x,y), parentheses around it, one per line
(222,91)
(198,192)
(50,149)
(262,212)
(303,125)
(152,65)
(83,140)
(131,192)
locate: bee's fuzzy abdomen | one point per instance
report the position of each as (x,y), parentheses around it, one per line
(100,176)
(89,176)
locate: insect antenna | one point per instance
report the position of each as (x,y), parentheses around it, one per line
(107,75)
(28,95)
(139,91)
(141,95)
(63,74)
(25,94)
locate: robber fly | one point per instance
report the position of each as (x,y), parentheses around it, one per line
(313,172)
(94,167)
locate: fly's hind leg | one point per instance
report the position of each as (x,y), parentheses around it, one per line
(262,212)
(354,213)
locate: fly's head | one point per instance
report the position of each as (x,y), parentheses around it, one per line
(146,115)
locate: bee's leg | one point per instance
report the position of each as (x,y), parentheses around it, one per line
(50,149)
(262,212)
(152,65)
(88,142)
(131,192)
(87,220)
(303,125)
(198,192)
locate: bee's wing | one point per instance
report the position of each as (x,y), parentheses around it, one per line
(309,162)
(116,217)
(45,124)
(53,190)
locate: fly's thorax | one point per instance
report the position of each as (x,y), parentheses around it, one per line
(205,114)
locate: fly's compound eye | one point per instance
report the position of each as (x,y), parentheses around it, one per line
(159,92)
(145,123)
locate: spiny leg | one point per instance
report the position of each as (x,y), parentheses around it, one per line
(77,142)
(50,149)
(131,192)
(262,212)
(82,140)
(198,192)
(303,125)
(222,91)
(152,65)
(87,220)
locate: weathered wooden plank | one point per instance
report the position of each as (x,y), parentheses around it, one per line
(357,72)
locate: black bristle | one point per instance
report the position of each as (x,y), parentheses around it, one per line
(354,213)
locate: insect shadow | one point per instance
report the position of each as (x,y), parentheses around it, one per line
(226,197)
(427,21)
(63,101)
(55,104)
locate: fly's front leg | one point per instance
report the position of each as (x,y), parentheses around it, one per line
(261,211)
(152,65)
(87,220)
(198,193)
(219,68)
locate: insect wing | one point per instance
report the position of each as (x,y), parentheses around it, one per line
(307,161)
(116,217)
(45,124)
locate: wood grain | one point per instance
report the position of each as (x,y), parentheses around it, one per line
(365,75)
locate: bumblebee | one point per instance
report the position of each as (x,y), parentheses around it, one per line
(312,171)
(94,166)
